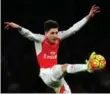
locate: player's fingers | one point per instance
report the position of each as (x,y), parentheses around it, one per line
(94,5)
(11,23)
(97,11)
(96,8)
(6,23)
(6,27)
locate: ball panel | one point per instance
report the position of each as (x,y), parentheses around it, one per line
(97,62)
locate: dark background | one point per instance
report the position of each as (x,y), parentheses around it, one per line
(19,66)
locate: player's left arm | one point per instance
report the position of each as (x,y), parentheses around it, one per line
(76,27)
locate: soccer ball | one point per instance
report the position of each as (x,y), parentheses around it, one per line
(97,61)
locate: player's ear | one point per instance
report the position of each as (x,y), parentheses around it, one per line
(92,54)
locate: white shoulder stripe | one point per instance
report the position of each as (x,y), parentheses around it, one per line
(38,45)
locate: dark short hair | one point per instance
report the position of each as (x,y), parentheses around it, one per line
(50,24)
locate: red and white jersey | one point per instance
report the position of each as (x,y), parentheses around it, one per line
(46,52)
(47,56)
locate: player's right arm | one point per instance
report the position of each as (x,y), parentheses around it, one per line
(23,31)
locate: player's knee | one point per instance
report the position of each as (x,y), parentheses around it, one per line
(57,90)
(64,67)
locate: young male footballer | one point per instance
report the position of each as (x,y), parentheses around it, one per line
(47,46)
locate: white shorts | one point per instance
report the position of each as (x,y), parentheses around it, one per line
(53,77)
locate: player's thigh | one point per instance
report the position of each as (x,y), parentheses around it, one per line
(48,79)
(57,72)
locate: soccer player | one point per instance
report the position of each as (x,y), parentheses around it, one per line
(47,47)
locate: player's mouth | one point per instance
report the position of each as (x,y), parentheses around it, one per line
(54,40)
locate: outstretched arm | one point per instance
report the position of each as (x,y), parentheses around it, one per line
(23,31)
(76,27)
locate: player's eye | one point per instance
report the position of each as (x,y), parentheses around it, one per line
(52,33)
(56,32)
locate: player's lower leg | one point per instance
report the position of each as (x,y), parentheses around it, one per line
(74,68)
(62,90)
(95,62)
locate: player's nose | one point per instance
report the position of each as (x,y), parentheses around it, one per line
(55,35)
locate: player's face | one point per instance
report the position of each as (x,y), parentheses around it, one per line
(52,35)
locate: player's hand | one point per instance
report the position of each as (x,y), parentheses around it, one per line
(94,10)
(11,25)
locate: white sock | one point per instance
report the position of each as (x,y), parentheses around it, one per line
(73,68)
